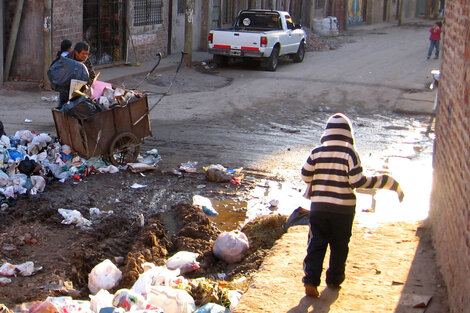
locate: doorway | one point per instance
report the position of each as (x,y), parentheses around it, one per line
(104,29)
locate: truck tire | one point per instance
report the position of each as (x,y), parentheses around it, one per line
(271,63)
(300,54)
(220,60)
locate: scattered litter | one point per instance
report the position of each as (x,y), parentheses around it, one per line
(274,203)
(108,169)
(205,204)
(231,247)
(27,120)
(184,261)
(74,217)
(4,281)
(24,269)
(201,186)
(137,186)
(171,300)
(104,275)
(299,216)
(50,99)
(212,308)
(189,167)
(140,167)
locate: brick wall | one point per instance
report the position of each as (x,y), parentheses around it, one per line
(450,200)
(148,40)
(67,22)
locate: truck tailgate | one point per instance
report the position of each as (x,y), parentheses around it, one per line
(236,39)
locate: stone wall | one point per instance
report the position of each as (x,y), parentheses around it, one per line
(450,201)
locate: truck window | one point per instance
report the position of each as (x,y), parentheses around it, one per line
(289,22)
(258,21)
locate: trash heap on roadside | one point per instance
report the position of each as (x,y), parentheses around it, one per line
(159,289)
(29,161)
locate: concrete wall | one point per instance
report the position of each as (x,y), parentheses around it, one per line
(450,199)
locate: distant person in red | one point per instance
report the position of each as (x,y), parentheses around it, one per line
(434,39)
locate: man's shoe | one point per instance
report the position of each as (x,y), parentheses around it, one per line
(436,58)
(334,286)
(427,58)
(311,291)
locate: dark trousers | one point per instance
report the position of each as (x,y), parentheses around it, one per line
(332,229)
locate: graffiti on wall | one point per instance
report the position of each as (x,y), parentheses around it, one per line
(355,8)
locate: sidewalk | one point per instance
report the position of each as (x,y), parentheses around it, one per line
(117,73)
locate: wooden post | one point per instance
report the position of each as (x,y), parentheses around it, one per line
(400,12)
(188,32)
(14,34)
(1,43)
(47,41)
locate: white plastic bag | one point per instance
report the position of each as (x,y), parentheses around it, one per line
(128,300)
(104,275)
(171,300)
(154,276)
(184,261)
(73,217)
(231,246)
(101,300)
(212,308)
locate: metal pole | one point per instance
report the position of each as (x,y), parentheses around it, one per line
(12,42)
(47,41)
(188,32)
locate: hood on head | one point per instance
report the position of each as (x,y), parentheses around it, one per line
(338,128)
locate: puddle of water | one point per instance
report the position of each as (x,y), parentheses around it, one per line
(232,213)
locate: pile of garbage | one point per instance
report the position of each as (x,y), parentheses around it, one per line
(29,161)
(158,289)
(101,96)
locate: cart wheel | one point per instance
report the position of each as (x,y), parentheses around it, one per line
(124,149)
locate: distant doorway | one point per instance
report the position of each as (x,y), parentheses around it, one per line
(104,29)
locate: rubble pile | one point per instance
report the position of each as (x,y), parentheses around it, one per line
(316,42)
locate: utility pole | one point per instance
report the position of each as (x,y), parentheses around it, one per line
(47,42)
(188,32)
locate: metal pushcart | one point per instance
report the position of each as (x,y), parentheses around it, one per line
(115,134)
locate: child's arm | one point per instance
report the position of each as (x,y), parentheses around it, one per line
(358,180)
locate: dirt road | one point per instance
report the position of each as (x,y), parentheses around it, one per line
(265,122)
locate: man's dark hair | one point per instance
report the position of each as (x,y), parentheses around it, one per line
(80,46)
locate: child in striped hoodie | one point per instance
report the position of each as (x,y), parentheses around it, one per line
(333,170)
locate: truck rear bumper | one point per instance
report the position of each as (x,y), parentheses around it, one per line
(236,52)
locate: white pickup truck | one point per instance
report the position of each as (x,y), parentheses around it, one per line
(259,34)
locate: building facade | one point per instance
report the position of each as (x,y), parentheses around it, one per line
(450,199)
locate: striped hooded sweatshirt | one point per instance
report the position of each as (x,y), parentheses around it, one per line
(334,169)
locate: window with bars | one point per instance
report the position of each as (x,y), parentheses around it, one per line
(181,6)
(147,12)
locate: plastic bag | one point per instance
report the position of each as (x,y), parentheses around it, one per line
(231,246)
(80,107)
(102,299)
(128,300)
(212,308)
(104,275)
(205,204)
(184,261)
(73,217)
(154,276)
(171,300)
(4,179)
(61,72)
